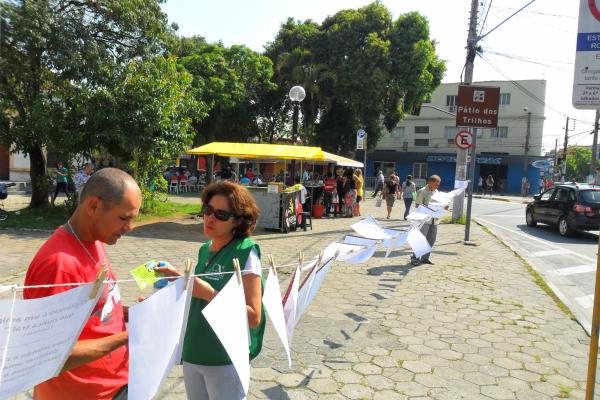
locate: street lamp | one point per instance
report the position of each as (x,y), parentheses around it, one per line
(525,156)
(297,94)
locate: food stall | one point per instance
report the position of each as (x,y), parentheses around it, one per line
(279,209)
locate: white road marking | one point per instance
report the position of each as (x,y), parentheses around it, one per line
(580,269)
(585,301)
(544,242)
(545,253)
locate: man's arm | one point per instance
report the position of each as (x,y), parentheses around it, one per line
(86,351)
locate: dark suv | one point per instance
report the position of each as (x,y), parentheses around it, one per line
(570,206)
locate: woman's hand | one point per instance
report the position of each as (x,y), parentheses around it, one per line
(203,290)
(169,272)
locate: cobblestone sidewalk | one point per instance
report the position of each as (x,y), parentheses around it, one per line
(473,326)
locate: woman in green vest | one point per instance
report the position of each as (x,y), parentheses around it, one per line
(230,215)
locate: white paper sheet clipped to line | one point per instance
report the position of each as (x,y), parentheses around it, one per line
(360,241)
(160,319)
(42,334)
(290,304)
(370,229)
(446,198)
(418,242)
(343,248)
(304,290)
(274,309)
(227,316)
(319,278)
(434,213)
(418,219)
(395,243)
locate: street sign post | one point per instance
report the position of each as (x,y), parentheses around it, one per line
(478,108)
(586,82)
(360,139)
(463,140)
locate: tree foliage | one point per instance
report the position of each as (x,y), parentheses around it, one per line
(231,81)
(578,162)
(360,68)
(54,54)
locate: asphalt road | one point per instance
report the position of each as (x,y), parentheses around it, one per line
(567,264)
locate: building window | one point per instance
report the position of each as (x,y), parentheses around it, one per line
(419,170)
(449,133)
(405,146)
(397,132)
(422,142)
(504,99)
(421,129)
(451,100)
(499,132)
(385,166)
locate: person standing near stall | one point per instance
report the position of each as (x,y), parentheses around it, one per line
(390,193)
(328,192)
(339,182)
(359,181)
(350,193)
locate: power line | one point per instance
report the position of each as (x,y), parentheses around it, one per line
(502,23)
(537,12)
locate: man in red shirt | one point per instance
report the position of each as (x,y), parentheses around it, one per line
(98,366)
(329,189)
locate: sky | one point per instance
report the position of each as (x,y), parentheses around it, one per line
(537,43)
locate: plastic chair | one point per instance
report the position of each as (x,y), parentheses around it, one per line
(183,185)
(174,187)
(306,220)
(193,183)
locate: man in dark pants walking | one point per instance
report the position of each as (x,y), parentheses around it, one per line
(429,229)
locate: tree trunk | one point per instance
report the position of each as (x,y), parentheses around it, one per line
(39,182)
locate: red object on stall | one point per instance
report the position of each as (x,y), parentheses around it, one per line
(317,210)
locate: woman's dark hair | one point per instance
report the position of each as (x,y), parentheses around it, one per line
(408,179)
(241,203)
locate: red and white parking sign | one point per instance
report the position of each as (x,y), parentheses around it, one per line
(463,140)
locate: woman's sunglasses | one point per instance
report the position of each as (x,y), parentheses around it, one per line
(221,215)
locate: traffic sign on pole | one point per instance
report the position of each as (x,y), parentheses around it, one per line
(586,82)
(463,140)
(360,139)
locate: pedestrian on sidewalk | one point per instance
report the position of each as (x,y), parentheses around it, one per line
(98,366)
(339,185)
(542,184)
(62,178)
(379,183)
(390,192)
(408,190)
(480,185)
(230,216)
(429,228)
(350,193)
(328,193)
(489,184)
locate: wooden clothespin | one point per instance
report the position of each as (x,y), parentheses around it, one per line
(319,260)
(301,260)
(100,278)
(188,270)
(238,270)
(272,264)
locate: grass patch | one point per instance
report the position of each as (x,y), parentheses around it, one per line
(474,298)
(448,220)
(37,218)
(496,301)
(543,378)
(565,392)
(537,278)
(50,218)
(168,209)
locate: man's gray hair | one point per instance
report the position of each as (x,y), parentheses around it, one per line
(109,184)
(434,178)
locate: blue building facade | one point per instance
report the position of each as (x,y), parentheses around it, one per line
(507,170)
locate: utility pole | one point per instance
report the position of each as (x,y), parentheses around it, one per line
(564,166)
(525,156)
(595,146)
(469,65)
(555,159)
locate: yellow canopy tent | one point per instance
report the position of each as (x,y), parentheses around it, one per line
(260,150)
(343,161)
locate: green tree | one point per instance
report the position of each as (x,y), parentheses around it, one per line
(360,68)
(146,116)
(231,82)
(54,55)
(578,162)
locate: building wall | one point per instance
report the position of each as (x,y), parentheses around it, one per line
(19,167)
(441,127)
